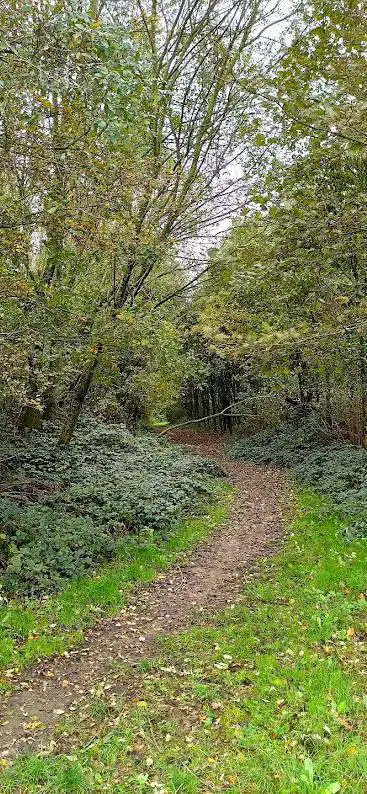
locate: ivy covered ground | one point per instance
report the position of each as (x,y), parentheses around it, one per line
(81,525)
(266,697)
(338,470)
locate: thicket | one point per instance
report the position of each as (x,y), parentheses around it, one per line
(63,509)
(283,304)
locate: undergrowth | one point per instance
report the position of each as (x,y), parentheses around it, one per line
(36,629)
(286,445)
(269,698)
(64,509)
(337,470)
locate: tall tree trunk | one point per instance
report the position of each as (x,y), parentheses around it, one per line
(214,405)
(363,384)
(49,401)
(301,371)
(329,412)
(196,412)
(30,417)
(81,390)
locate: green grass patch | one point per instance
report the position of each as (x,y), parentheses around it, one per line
(30,630)
(270,698)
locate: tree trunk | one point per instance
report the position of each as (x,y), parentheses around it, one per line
(49,402)
(77,401)
(214,406)
(30,418)
(363,379)
(328,403)
(301,370)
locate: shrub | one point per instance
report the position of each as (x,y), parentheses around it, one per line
(286,445)
(45,548)
(64,508)
(339,471)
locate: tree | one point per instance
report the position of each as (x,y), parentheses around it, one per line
(288,294)
(200,120)
(68,164)
(288,290)
(320,86)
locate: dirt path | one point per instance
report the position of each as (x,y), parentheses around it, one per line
(211,578)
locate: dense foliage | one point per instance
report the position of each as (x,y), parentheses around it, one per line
(284,300)
(130,133)
(63,510)
(337,470)
(116,122)
(286,445)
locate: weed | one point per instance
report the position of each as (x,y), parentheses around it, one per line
(65,509)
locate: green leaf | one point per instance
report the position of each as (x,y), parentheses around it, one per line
(309,769)
(260,139)
(332,788)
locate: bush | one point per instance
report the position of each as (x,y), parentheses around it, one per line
(339,471)
(44,547)
(286,445)
(64,508)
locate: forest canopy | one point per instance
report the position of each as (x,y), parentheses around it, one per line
(182,210)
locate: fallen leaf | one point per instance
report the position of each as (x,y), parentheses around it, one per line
(33,726)
(347,724)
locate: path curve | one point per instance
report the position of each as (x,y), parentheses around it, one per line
(211,578)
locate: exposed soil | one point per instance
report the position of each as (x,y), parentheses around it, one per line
(211,578)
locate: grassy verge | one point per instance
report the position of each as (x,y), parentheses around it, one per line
(269,699)
(37,629)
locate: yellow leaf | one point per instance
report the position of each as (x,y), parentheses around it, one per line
(44,102)
(34,726)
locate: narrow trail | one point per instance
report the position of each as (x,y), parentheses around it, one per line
(211,578)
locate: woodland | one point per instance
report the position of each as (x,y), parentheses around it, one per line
(183,270)
(182,211)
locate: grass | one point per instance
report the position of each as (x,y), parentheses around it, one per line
(268,699)
(32,630)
